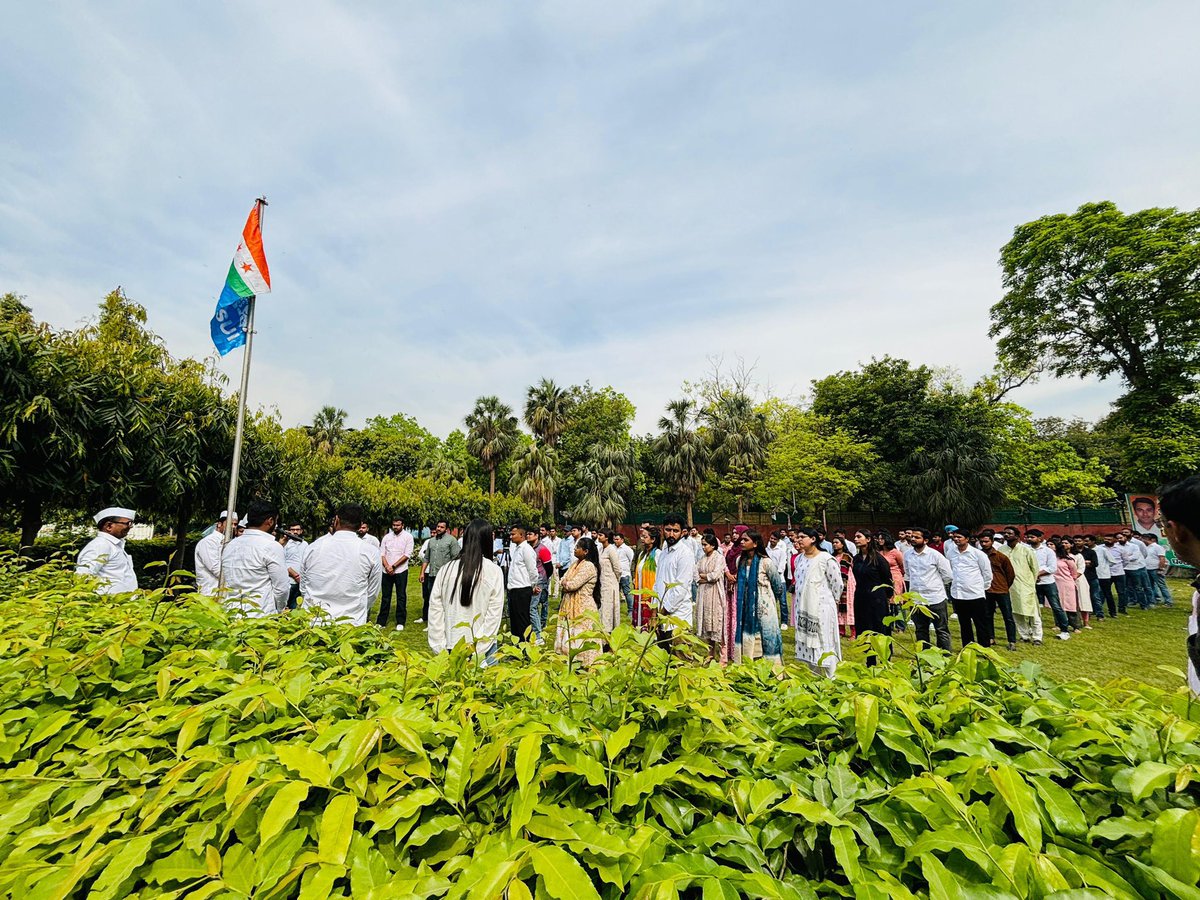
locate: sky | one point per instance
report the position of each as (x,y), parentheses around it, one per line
(467,197)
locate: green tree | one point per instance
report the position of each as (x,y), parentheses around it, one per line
(1101,293)
(395,446)
(681,452)
(738,440)
(533,475)
(811,463)
(607,474)
(1044,471)
(327,429)
(600,418)
(548,413)
(491,434)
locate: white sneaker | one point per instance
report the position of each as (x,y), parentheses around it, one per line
(399,627)
(1063,636)
(783,627)
(420,621)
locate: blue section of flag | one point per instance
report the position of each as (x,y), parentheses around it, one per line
(228,324)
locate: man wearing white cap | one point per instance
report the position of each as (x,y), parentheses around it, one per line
(104,557)
(208,557)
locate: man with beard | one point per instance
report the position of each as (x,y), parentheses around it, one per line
(676,572)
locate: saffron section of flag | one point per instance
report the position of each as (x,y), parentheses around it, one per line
(248,277)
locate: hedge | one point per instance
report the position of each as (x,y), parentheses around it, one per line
(158,748)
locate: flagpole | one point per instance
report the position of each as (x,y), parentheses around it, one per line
(235,469)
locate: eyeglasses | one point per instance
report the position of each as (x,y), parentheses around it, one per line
(126,523)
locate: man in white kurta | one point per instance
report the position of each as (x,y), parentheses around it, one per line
(208,558)
(675,574)
(256,578)
(104,557)
(341,572)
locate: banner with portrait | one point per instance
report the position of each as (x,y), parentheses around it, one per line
(1144,518)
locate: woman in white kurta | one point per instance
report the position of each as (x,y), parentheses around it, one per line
(467,599)
(610,581)
(818,585)
(1083,591)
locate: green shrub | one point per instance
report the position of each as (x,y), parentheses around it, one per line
(150,557)
(157,748)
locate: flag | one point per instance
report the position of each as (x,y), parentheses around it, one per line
(248,277)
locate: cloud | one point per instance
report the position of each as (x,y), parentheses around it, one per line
(467,198)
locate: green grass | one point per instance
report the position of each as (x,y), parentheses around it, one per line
(1147,646)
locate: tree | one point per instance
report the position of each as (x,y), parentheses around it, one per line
(681,452)
(327,429)
(954,485)
(1101,293)
(738,440)
(548,413)
(491,434)
(395,446)
(1039,469)
(607,474)
(600,418)
(534,473)
(811,463)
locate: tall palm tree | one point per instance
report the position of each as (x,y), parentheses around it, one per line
(954,483)
(491,434)
(534,474)
(681,452)
(327,428)
(548,413)
(739,439)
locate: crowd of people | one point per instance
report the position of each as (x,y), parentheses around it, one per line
(739,592)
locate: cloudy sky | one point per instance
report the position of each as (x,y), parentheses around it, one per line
(466,197)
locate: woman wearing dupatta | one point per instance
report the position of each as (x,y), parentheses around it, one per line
(818,586)
(610,581)
(710,596)
(759,586)
(580,586)
(645,567)
(732,555)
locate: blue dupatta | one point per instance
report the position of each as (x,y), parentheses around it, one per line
(750,634)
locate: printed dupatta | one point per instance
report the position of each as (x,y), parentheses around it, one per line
(644,576)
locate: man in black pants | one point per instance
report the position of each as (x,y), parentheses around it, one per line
(997,593)
(396,549)
(972,573)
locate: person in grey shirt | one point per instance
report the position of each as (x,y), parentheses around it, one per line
(439,550)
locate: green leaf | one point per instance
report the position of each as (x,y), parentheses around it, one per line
(1021,802)
(562,876)
(529,751)
(337,825)
(1173,886)
(846,849)
(634,785)
(318,881)
(308,763)
(131,855)
(1176,846)
(616,742)
(866,719)
(942,885)
(1149,777)
(458,766)
(282,809)
(1064,813)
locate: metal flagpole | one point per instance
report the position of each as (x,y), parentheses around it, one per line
(235,469)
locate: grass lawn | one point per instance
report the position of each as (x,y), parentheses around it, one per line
(1144,646)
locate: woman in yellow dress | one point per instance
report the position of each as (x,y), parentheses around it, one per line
(579,611)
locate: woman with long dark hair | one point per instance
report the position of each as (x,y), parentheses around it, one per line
(873,585)
(580,607)
(710,595)
(818,586)
(759,587)
(645,569)
(467,599)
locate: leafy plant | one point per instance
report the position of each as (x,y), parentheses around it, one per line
(161,749)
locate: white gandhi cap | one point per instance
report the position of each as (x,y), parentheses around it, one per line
(114,512)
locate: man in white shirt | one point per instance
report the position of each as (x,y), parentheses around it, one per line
(1156,569)
(294,548)
(255,573)
(676,571)
(971,573)
(1116,566)
(208,557)
(1104,595)
(1133,557)
(1047,589)
(104,556)
(523,583)
(341,571)
(395,551)
(625,556)
(364,532)
(779,552)
(928,573)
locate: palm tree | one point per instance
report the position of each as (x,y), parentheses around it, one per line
(607,474)
(491,434)
(681,452)
(444,468)
(534,474)
(548,413)
(954,483)
(738,439)
(327,428)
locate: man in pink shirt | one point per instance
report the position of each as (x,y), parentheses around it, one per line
(396,549)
